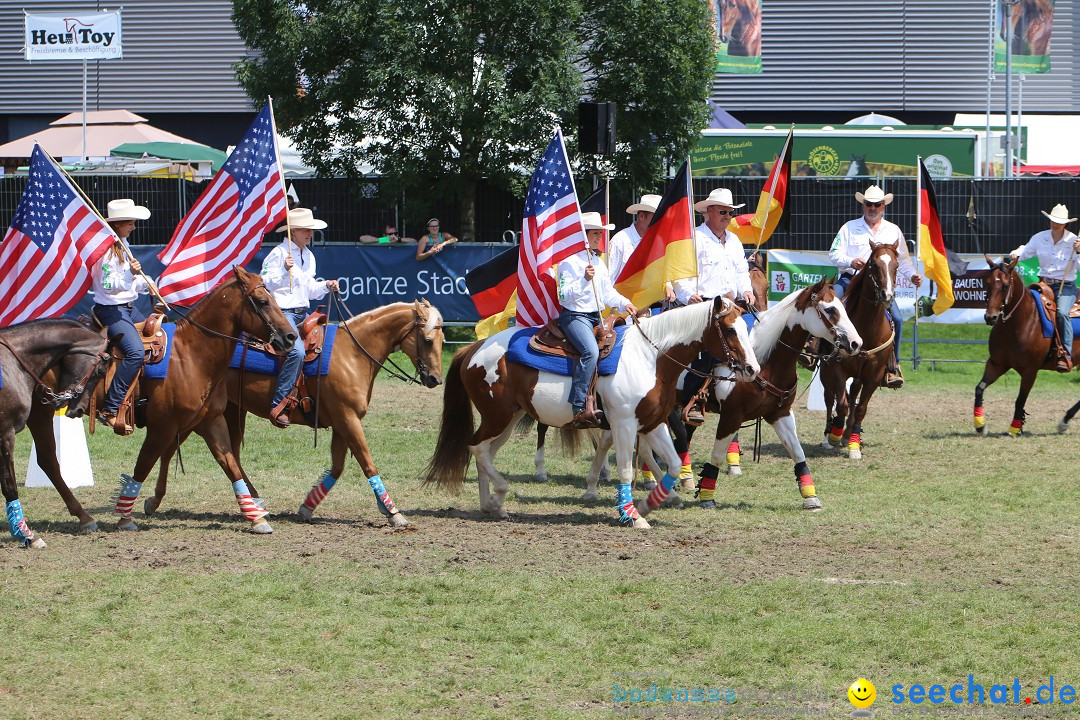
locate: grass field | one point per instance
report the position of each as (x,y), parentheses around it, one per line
(940,555)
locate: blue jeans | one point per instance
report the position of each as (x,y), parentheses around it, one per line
(120,321)
(1065,300)
(578,327)
(290,369)
(840,287)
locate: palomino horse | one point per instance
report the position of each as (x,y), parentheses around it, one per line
(192,396)
(869,294)
(361,348)
(44,365)
(778,337)
(1016,340)
(740,26)
(637,399)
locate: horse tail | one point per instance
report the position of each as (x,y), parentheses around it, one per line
(451,459)
(571,441)
(525,424)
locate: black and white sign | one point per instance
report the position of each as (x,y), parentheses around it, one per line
(73,36)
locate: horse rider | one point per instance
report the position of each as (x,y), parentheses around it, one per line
(623,243)
(1056,249)
(118,281)
(584,287)
(289,274)
(851,249)
(722,270)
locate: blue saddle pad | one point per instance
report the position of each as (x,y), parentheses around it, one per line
(749,321)
(257,361)
(1076,326)
(1047,325)
(158,371)
(521,353)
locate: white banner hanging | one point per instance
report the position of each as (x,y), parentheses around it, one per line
(73,36)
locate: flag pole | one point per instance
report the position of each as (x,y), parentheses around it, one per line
(123,246)
(918,260)
(693,227)
(772,190)
(281,174)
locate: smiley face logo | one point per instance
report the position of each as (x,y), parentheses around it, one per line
(862,693)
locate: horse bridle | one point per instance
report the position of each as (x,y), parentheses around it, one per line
(728,361)
(48,395)
(249,294)
(832,327)
(1008,294)
(401,374)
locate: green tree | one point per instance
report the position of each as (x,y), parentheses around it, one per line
(436,95)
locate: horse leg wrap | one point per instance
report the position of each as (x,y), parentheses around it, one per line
(17,524)
(805,480)
(386,505)
(733,453)
(686,472)
(646,475)
(661,491)
(320,490)
(251,511)
(854,442)
(126,496)
(1016,427)
(624,503)
(979,418)
(836,432)
(707,484)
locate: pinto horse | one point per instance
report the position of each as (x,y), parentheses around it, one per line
(361,348)
(192,396)
(637,400)
(44,365)
(869,294)
(1016,340)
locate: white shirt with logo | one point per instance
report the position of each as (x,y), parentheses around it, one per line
(576,293)
(114,283)
(722,267)
(1053,256)
(305,287)
(853,243)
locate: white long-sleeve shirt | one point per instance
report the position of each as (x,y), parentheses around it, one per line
(620,248)
(853,242)
(722,267)
(305,287)
(114,283)
(576,293)
(1053,256)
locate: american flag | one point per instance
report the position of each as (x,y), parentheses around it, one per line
(226,225)
(54,240)
(551,231)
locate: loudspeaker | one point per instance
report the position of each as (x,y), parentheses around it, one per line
(596,127)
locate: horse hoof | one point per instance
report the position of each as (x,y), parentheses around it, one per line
(811,503)
(305,513)
(641,523)
(981,431)
(649,485)
(37,543)
(90,527)
(826,445)
(541,477)
(672,501)
(689,484)
(589,497)
(734,470)
(855,454)
(642,507)
(261,527)
(398,520)
(1063,426)
(707,504)
(127,524)
(150,506)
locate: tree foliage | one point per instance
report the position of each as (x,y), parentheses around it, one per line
(436,95)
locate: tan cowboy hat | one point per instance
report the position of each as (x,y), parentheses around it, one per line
(126,209)
(648,203)
(874,194)
(1060,215)
(593,221)
(302,219)
(720,196)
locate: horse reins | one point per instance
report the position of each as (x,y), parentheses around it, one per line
(48,395)
(245,341)
(401,374)
(728,361)
(1008,295)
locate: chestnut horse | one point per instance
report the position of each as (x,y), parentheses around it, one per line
(869,294)
(362,345)
(44,365)
(740,26)
(1016,340)
(778,337)
(192,397)
(637,399)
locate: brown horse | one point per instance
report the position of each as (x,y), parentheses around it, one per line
(44,365)
(361,348)
(740,26)
(759,281)
(192,397)
(1016,340)
(637,399)
(869,294)
(1032,25)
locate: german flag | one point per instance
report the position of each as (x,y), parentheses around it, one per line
(770,208)
(491,283)
(666,251)
(932,252)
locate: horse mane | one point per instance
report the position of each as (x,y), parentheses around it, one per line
(770,324)
(675,327)
(433,313)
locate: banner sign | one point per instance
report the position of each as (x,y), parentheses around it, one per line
(737,29)
(370,276)
(73,36)
(1031,23)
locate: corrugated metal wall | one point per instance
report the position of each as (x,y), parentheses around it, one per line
(178,57)
(893,55)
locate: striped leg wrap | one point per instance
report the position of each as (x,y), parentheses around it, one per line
(980,419)
(707,484)
(733,453)
(126,496)
(686,472)
(624,503)
(17,524)
(248,507)
(854,442)
(836,432)
(646,475)
(805,480)
(1017,427)
(386,505)
(660,492)
(320,489)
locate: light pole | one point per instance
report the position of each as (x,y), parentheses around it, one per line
(1007,6)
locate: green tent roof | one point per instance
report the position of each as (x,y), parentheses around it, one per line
(181,152)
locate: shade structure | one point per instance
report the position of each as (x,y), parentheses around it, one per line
(875,119)
(180,152)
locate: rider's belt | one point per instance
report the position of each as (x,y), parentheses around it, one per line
(127,304)
(295,310)
(1053,281)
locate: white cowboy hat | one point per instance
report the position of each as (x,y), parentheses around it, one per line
(720,196)
(302,219)
(1060,214)
(126,209)
(874,194)
(648,203)
(593,221)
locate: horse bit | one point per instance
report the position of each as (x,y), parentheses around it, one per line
(48,395)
